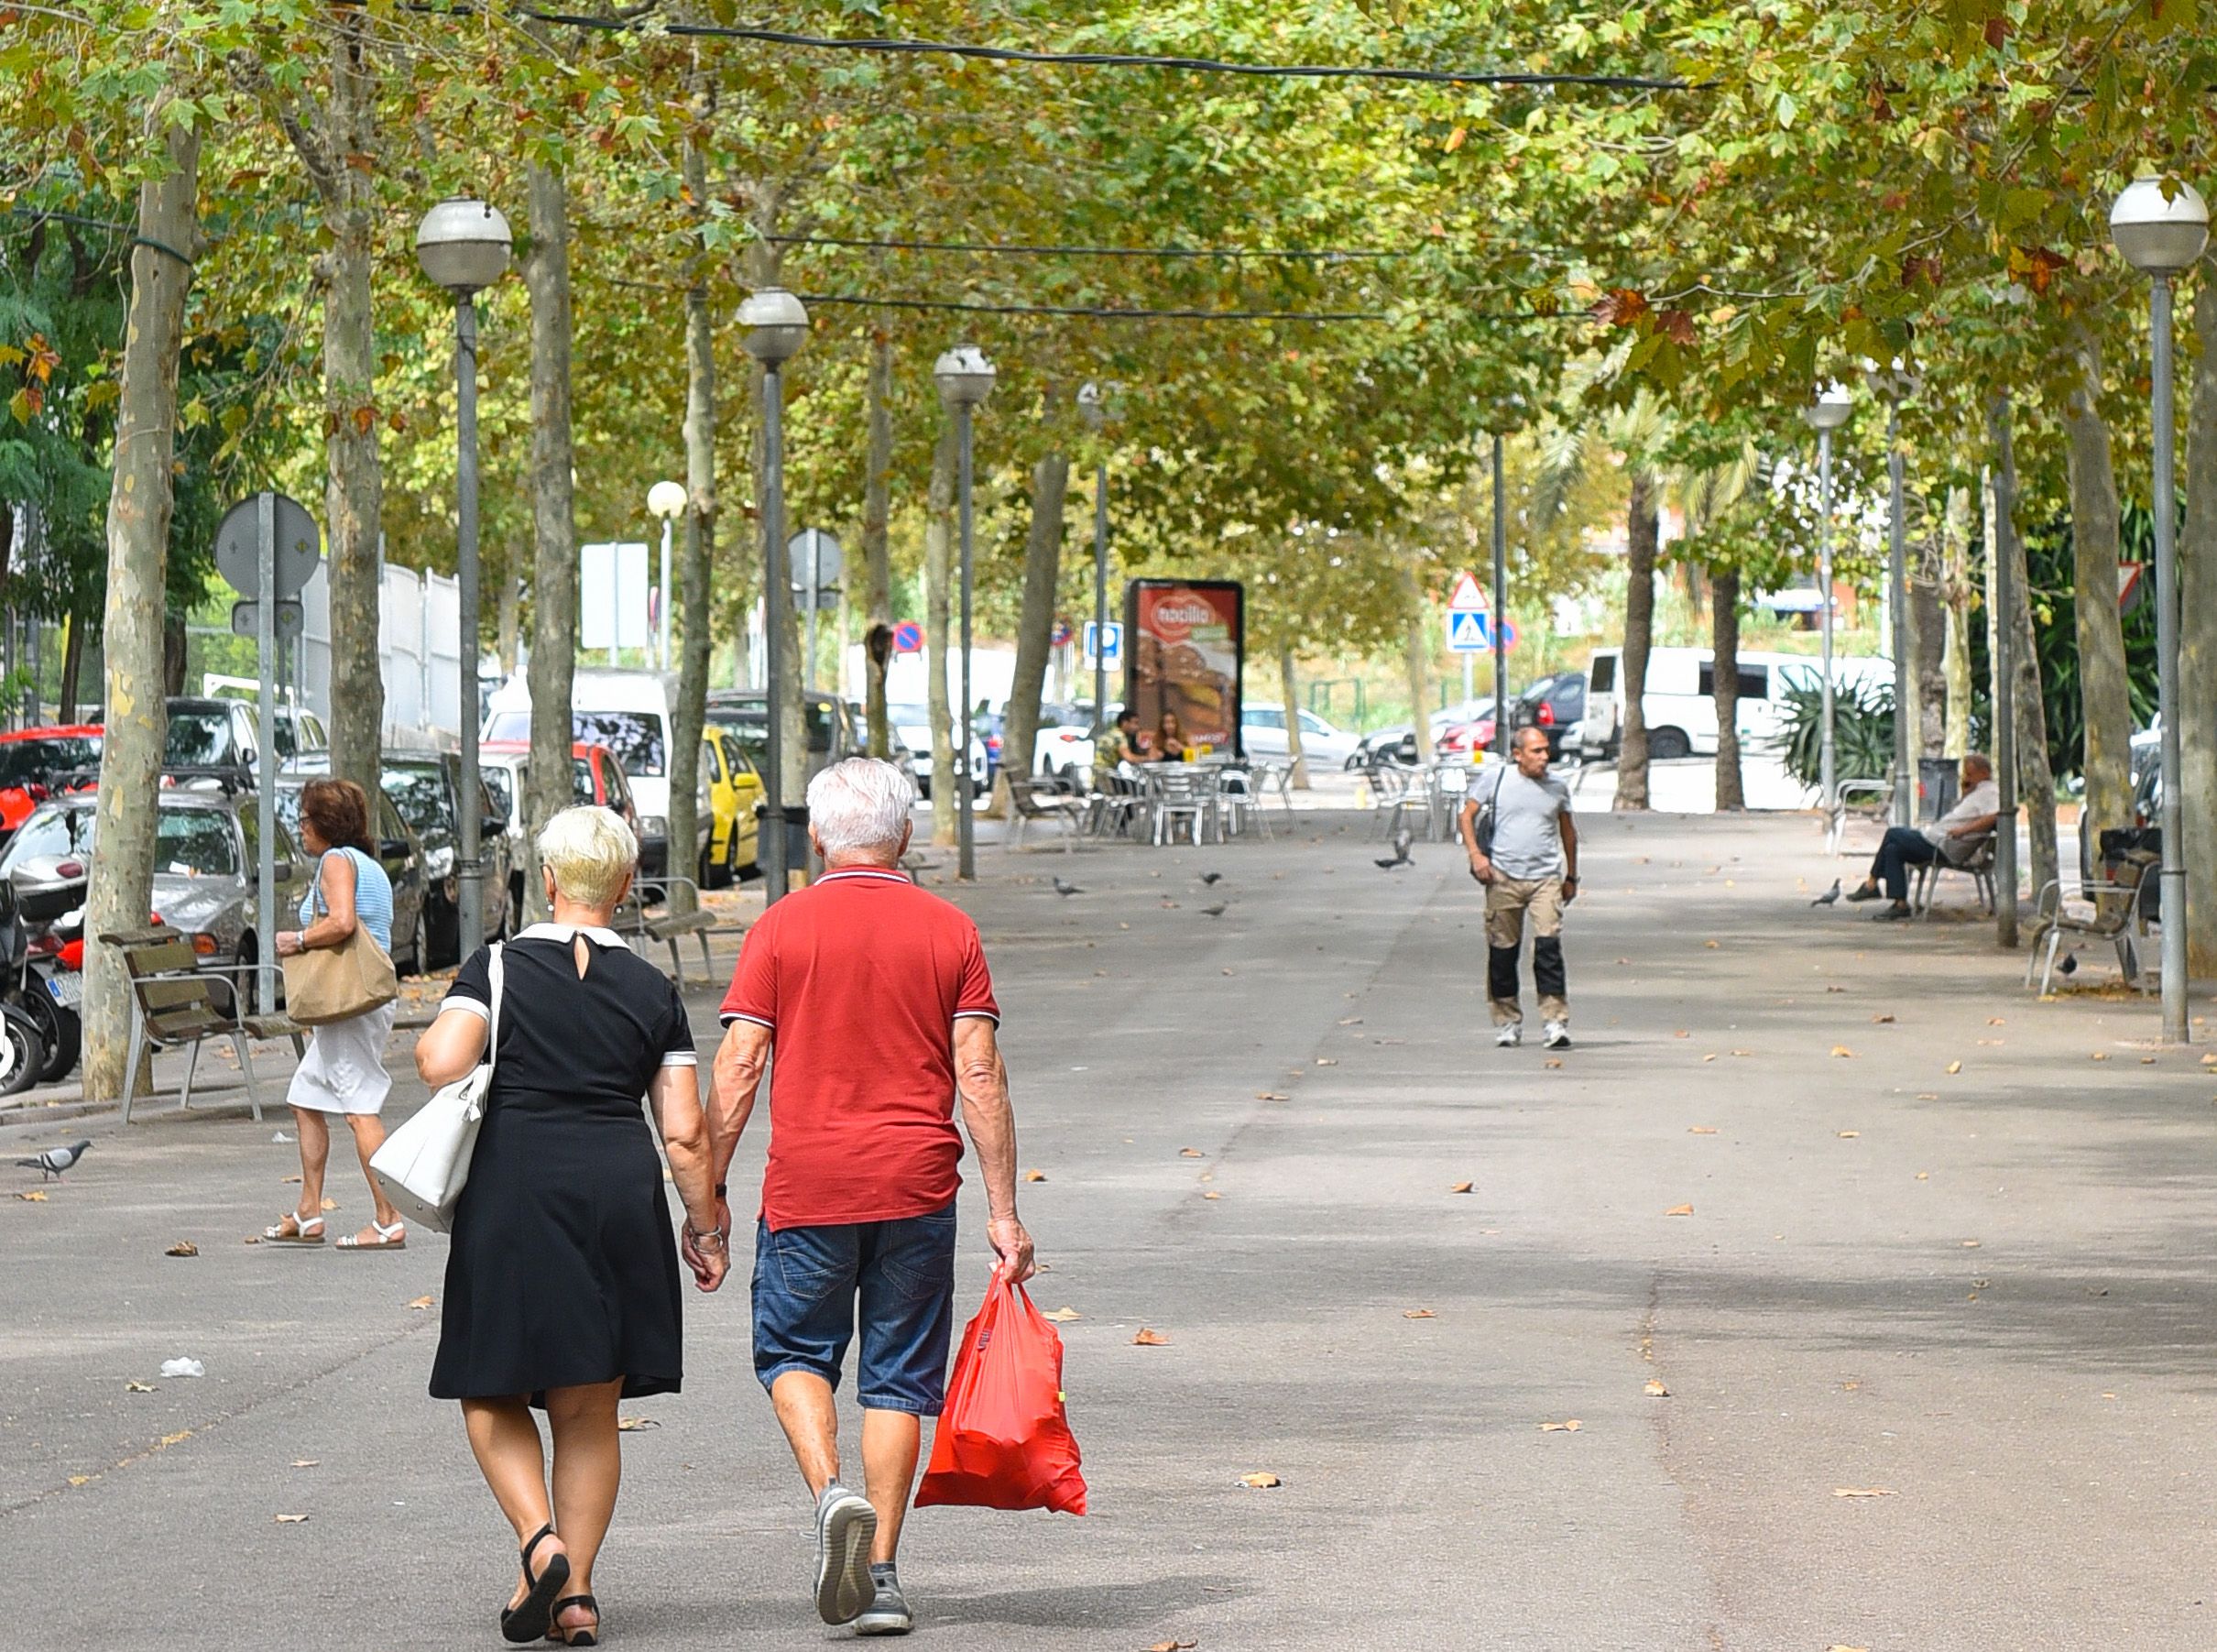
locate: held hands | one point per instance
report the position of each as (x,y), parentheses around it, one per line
(1012,1246)
(707,1254)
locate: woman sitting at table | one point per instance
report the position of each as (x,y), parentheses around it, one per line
(1169,741)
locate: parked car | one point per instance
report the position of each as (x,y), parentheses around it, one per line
(35,764)
(734,790)
(596,776)
(914,724)
(1262,733)
(834,732)
(630,713)
(1063,748)
(1681,715)
(1555,703)
(399,852)
(205,859)
(426,787)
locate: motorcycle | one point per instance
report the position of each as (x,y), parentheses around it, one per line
(52,993)
(23,1047)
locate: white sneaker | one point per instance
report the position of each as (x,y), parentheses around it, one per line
(846,1527)
(1509,1034)
(1559,1035)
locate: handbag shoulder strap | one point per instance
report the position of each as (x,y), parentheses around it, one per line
(496,966)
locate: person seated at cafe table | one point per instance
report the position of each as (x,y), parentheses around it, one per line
(1169,741)
(1119,743)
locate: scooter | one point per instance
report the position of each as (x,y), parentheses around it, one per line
(51,989)
(23,1047)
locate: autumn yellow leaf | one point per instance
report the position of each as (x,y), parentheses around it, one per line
(1570,1426)
(1262,1480)
(135,1386)
(1679,1211)
(1462,1187)
(420,1303)
(1173,1646)
(1849,1135)
(35,1197)
(1655,1389)
(1149,1339)
(1418,1313)
(1955,1066)
(1271,1094)
(1700,1129)
(1861,1491)
(183,1247)
(1881,1019)
(1063,1316)
(1845,1053)
(1035,1176)
(633,1424)
(1552,1061)
(291,1520)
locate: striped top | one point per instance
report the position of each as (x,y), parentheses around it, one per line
(373,897)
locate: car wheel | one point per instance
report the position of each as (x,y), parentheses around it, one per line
(22,1051)
(60,1028)
(245,981)
(420,945)
(731,858)
(1665,745)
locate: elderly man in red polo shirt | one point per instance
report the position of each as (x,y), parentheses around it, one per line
(875,998)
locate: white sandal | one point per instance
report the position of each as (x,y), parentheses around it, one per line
(385,1239)
(274,1233)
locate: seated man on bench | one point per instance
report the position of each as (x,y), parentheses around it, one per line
(1953,837)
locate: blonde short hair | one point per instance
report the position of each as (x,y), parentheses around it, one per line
(591,852)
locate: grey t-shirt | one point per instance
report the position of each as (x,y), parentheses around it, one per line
(1527,833)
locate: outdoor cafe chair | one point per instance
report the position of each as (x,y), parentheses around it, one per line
(1181,792)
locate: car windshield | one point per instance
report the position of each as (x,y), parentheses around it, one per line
(47,761)
(748,721)
(496,786)
(198,738)
(581,780)
(190,842)
(636,737)
(50,834)
(419,791)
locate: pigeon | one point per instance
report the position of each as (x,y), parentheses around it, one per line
(1066,889)
(1211,877)
(55,1160)
(1828,896)
(1217,910)
(2070,966)
(1402,840)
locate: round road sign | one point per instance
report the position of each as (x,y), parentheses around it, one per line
(908,638)
(238,553)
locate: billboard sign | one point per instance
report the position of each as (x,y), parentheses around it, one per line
(1187,648)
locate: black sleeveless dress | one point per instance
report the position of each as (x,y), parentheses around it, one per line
(564,1267)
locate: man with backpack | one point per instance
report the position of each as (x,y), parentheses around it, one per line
(1516,825)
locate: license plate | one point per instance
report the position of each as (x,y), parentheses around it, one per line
(66,989)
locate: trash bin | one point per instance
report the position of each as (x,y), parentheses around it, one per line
(796,841)
(1937,779)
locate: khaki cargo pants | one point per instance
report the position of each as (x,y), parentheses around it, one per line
(1508,899)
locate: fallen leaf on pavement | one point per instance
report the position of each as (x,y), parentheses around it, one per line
(329,1204)
(1996,1021)
(1849,1135)
(251,1238)
(1955,1066)
(1710,945)
(1418,1313)
(1836,1647)
(1835,989)
(1570,1426)
(1971,1244)
(1063,1316)
(1744,1052)
(292,1179)
(1462,1187)
(1262,1481)
(632,1424)
(308,1462)
(1189,1152)
(1623,961)
(1923,1176)
(1327,1061)
(1173,1646)
(1711,1057)
(1845,1053)
(35,1197)
(183,1247)
(1350,1021)
(1656,1389)
(419,1302)
(1927,1095)
(1861,1491)
(1035,1176)
(1881,1019)
(1149,1339)
(135,1386)
(290,1519)
(1700,1129)
(1552,1061)
(1679,1211)
(2101,1056)
(1681,1032)
(1271,1095)
(1212,1193)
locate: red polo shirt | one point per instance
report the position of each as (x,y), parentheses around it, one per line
(860,977)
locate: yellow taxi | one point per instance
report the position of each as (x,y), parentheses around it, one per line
(734,789)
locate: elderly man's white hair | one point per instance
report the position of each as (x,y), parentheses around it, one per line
(591,852)
(860,807)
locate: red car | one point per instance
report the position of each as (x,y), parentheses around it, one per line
(34,763)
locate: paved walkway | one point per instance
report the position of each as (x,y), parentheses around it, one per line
(1936,1335)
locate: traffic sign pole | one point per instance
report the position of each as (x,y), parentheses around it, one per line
(1500,608)
(265,780)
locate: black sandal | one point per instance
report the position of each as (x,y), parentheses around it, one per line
(528,1619)
(574,1637)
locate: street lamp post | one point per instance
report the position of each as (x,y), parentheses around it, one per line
(1500,608)
(463,245)
(1096,416)
(777,326)
(2159,235)
(966,379)
(665,499)
(1825,414)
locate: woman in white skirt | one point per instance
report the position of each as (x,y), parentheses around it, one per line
(344,1069)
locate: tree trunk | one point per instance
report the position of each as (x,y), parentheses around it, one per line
(141,495)
(1956,592)
(72,663)
(1724,675)
(690,715)
(2105,688)
(508,621)
(1419,662)
(546,274)
(1928,651)
(1035,624)
(1642,531)
(938,573)
(1287,688)
(2198,640)
(877,557)
(2036,778)
(354,489)
(176,646)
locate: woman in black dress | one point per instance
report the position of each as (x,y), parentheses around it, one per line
(561,1287)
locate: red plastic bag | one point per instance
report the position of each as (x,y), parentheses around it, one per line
(1003,1440)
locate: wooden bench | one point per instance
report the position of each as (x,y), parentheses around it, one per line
(1032,800)
(175,1004)
(671,928)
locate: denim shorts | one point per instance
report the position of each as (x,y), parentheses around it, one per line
(807,1282)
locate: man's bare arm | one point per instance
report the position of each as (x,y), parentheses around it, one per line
(1570,847)
(982,1081)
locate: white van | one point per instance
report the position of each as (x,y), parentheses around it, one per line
(1681,713)
(630,713)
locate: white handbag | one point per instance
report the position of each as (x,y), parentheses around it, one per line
(425,1162)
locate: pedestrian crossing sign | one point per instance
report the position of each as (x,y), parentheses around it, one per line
(1467,633)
